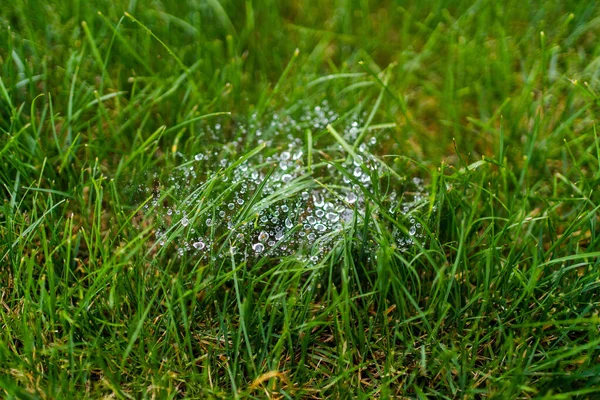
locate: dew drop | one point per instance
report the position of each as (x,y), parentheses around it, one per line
(209,222)
(263,236)
(318,200)
(285,178)
(199,245)
(258,248)
(333,217)
(351,198)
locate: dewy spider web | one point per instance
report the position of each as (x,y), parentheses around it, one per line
(270,205)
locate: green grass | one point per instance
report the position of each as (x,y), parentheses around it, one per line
(105,104)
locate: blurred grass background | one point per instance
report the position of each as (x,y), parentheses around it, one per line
(458,65)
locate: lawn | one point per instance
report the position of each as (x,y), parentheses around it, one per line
(299,199)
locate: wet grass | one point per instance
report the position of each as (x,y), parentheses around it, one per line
(485,286)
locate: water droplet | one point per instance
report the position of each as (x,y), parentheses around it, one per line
(288,223)
(199,157)
(209,222)
(285,178)
(285,155)
(185,221)
(199,245)
(318,200)
(263,236)
(320,227)
(240,201)
(333,217)
(357,172)
(412,230)
(258,248)
(351,198)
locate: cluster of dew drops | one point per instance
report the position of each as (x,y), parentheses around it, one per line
(269,205)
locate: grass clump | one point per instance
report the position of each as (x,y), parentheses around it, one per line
(299,200)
